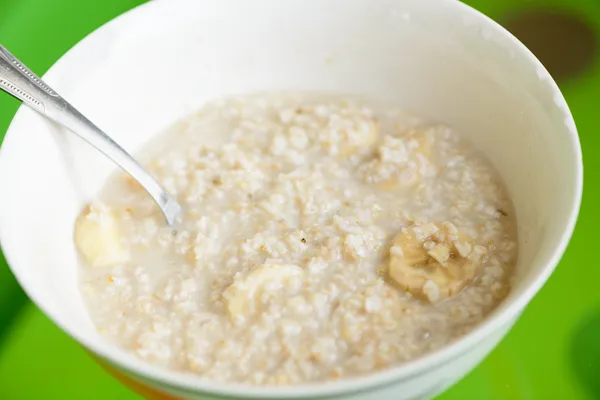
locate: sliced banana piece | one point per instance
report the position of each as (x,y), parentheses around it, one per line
(243,294)
(400,161)
(132,183)
(97,237)
(346,137)
(406,178)
(432,261)
(421,142)
(363,136)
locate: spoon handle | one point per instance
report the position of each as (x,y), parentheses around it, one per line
(19,81)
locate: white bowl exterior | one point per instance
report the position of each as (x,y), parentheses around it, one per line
(141,72)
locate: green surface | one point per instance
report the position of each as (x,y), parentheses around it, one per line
(552,353)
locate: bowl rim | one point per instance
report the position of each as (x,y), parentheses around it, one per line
(193,384)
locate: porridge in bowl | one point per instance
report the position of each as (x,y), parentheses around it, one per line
(322,237)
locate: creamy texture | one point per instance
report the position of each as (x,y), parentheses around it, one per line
(322,237)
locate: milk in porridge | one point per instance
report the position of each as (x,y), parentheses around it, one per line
(322,237)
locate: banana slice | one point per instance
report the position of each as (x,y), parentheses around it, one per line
(349,137)
(406,178)
(400,162)
(132,183)
(365,135)
(432,261)
(421,142)
(97,237)
(242,295)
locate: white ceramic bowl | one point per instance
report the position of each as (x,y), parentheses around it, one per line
(142,71)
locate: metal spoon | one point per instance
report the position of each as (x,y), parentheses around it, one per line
(18,80)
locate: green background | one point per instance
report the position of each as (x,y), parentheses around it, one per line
(552,353)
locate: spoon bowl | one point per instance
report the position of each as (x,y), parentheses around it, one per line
(20,82)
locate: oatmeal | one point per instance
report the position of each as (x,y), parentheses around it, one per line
(322,237)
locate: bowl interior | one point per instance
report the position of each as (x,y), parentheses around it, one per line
(143,71)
